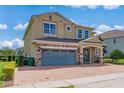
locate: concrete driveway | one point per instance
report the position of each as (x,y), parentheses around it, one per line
(30,75)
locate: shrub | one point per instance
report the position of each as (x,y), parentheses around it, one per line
(119,61)
(8,73)
(107,60)
(19,61)
(107,57)
(116,54)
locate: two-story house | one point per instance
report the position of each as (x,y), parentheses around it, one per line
(114,39)
(53,40)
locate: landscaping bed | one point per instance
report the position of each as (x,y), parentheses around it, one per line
(118,61)
(107,60)
(7,70)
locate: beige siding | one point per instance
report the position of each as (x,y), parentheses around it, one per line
(36,31)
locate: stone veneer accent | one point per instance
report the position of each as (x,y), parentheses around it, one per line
(79,54)
(38,56)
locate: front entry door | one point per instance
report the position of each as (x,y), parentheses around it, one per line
(86,55)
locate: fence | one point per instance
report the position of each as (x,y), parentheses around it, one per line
(7,58)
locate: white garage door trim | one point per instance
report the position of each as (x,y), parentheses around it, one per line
(63,48)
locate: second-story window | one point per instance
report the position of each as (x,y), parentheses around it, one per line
(86,34)
(49,28)
(80,34)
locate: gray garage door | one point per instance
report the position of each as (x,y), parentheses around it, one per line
(58,57)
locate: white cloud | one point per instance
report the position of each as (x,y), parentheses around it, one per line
(20,26)
(75,6)
(119,27)
(110,7)
(92,6)
(3,26)
(15,43)
(107,7)
(83,6)
(51,8)
(103,28)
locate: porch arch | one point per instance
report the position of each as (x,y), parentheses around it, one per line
(91,47)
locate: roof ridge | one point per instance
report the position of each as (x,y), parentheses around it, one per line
(111,34)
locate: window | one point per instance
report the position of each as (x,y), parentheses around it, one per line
(105,50)
(50,17)
(49,28)
(86,34)
(68,28)
(114,40)
(80,34)
(97,51)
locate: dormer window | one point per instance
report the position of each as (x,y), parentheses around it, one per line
(68,28)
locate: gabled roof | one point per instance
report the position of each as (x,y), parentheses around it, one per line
(92,40)
(57,14)
(111,34)
(64,18)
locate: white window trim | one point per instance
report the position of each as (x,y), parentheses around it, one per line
(49,23)
(83,33)
(77,34)
(88,33)
(70,28)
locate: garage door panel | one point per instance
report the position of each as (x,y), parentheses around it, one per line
(51,58)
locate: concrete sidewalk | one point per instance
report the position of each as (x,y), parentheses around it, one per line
(75,82)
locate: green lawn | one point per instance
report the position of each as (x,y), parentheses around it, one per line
(71,86)
(5,64)
(120,61)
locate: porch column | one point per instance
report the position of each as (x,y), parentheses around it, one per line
(81,54)
(101,55)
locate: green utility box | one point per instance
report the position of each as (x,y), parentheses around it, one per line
(30,61)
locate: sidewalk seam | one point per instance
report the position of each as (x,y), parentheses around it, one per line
(97,81)
(68,83)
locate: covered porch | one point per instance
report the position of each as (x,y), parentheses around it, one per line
(91,51)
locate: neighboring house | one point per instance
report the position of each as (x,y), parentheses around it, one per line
(53,39)
(113,39)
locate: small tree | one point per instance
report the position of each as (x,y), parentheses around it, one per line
(19,54)
(116,54)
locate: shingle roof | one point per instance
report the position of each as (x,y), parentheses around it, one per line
(57,14)
(64,18)
(111,34)
(59,39)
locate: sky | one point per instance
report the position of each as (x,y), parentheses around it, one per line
(14,19)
